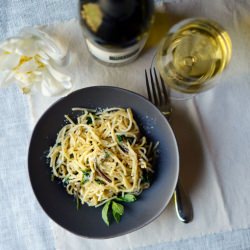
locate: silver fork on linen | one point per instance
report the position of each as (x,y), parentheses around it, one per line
(158,95)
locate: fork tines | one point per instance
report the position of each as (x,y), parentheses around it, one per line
(157,92)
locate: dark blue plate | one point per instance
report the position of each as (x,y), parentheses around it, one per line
(87,221)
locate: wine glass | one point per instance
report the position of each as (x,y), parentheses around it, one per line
(192,55)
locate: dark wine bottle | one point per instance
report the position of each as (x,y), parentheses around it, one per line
(116,30)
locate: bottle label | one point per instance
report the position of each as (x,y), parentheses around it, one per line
(115,56)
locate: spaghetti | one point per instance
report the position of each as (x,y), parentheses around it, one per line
(101,155)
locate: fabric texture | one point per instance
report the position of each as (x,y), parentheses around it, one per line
(16,14)
(23,224)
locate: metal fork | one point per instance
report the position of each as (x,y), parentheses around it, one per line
(158,95)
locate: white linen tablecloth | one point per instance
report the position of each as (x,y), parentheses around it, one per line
(211,130)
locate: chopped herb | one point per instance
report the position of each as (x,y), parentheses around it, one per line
(146,177)
(100,182)
(105,212)
(117,211)
(65,181)
(106,155)
(59,144)
(85,176)
(127,198)
(71,155)
(89,120)
(119,137)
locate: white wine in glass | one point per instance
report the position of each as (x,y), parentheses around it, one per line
(193,52)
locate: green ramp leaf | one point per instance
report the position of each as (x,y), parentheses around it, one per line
(117,211)
(105,212)
(127,198)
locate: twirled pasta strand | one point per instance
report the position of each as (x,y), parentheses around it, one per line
(101,155)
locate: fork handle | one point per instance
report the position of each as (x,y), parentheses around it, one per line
(183,206)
